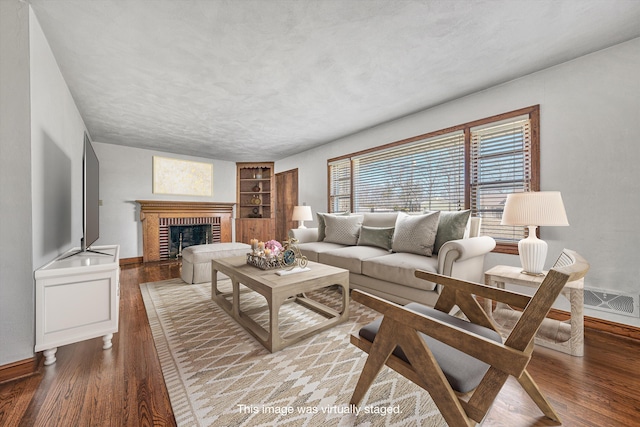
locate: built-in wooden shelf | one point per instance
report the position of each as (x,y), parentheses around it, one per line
(255,188)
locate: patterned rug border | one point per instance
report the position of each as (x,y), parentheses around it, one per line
(179,381)
(180,403)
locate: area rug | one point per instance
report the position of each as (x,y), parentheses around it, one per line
(217,374)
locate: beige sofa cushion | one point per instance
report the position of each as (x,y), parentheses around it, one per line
(312,249)
(394,291)
(380,219)
(351,257)
(400,268)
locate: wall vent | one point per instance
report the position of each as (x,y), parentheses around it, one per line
(612,301)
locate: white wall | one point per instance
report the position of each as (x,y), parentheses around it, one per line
(57,135)
(41,147)
(41,169)
(16,270)
(590,122)
(126,176)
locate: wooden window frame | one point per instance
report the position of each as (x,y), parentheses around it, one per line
(533,112)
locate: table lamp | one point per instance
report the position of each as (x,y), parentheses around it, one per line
(302,214)
(533,209)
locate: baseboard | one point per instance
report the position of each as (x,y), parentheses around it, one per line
(20,369)
(597,324)
(601,325)
(128,261)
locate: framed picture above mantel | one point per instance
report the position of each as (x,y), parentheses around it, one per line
(182,177)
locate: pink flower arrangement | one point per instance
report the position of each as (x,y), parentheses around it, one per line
(274,246)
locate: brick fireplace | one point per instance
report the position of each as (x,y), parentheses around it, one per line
(158,216)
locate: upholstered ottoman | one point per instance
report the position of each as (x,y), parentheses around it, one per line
(196,260)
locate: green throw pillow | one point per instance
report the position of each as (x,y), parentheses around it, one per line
(451,227)
(380,237)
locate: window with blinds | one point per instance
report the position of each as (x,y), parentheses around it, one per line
(340,186)
(469,166)
(500,164)
(424,175)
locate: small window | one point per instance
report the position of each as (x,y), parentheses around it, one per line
(340,186)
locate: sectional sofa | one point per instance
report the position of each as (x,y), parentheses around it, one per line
(383,250)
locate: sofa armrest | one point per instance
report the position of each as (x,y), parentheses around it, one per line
(304,235)
(457,251)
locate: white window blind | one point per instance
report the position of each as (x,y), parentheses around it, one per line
(469,166)
(340,186)
(424,175)
(500,164)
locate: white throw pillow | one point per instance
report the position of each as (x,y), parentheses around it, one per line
(342,229)
(416,234)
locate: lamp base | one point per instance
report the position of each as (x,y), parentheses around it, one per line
(533,253)
(302,225)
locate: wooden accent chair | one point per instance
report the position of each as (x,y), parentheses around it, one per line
(462,364)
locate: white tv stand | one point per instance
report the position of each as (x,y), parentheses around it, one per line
(77,298)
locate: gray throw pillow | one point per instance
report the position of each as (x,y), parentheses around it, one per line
(342,229)
(380,237)
(451,226)
(415,234)
(321,223)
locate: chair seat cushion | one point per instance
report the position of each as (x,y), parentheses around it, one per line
(463,372)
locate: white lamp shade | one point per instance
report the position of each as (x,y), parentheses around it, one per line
(302,213)
(534,208)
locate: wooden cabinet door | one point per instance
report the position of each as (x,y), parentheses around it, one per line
(262,229)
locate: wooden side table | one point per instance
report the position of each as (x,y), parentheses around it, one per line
(567,337)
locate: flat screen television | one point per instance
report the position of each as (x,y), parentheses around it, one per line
(90,196)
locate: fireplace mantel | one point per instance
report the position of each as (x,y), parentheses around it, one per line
(151,212)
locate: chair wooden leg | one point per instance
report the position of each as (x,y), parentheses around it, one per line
(485,394)
(383,346)
(433,379)
(536,395)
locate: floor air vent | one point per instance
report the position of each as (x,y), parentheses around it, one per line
(613,302)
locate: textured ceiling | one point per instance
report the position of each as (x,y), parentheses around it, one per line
(247,80)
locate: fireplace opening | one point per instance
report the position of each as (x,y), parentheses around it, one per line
(176,234)
(183,236)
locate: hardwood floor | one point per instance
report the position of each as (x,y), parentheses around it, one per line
(123,386)
(88,386)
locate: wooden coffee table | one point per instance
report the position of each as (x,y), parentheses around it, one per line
(278,290)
